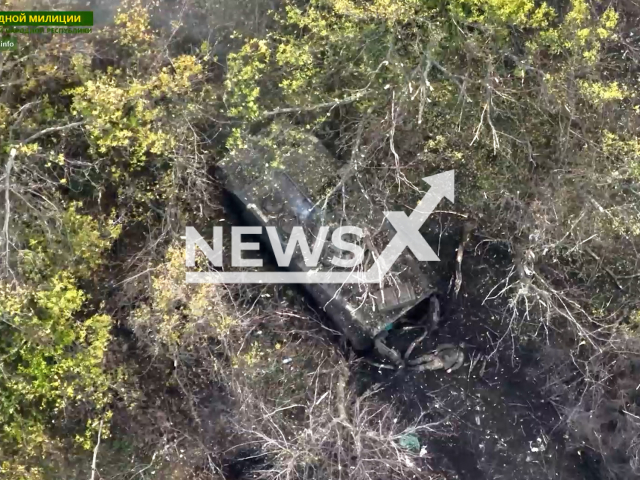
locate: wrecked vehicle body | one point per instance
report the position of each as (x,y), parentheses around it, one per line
(286,178)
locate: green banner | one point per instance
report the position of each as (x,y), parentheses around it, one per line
(46,18)
(8,43)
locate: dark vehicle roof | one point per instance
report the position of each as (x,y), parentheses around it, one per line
(285,177)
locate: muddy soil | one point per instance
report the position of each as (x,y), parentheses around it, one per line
(495,420)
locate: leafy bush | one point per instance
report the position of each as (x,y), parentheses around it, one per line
(88,147)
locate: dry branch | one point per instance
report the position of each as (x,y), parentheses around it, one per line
(467,228)
(49,130)
(312,108)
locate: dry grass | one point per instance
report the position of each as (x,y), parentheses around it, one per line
(250,380)
(333,433)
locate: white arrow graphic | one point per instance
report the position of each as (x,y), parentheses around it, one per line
(407,228)
(442,186)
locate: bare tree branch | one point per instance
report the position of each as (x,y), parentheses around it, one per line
(7,205)
(320,106)
(95,451)
(49,130)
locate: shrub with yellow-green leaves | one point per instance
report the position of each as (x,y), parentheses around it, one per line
(179,315)
(137,115)
(142,114)
(52,349)
(88,148)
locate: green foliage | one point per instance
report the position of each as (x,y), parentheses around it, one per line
(535,107)
(132,22)
(245,69)
(53,347)
(52,360)
(117,131)
(598,93)
(501,13)
(178,314)
(129,113)
(77,249)
(578,35)
(469,98)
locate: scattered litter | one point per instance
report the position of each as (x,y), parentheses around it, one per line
(410,442)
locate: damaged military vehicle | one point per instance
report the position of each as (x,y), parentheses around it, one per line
(285,178)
